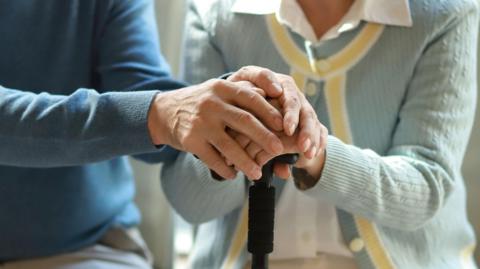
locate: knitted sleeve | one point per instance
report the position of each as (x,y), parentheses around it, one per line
(408,186)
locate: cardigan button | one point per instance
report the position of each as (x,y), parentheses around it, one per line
(323,65)
(356,245)
(311,89)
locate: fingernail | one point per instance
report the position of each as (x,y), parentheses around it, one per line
(277,87)
(291,129)
(319,151)
(306,144)
(256,173)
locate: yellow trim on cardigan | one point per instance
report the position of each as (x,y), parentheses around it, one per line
(338,63)
(369,234)
(467,257)
(299,79)
(335,82)
(337,110)
(239,239)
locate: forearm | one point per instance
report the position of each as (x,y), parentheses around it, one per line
(397,190)
(195,195)
(44,130)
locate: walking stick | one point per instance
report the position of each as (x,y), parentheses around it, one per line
(261,213)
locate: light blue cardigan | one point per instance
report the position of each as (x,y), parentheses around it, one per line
(400,111)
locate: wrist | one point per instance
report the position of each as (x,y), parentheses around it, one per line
(315,166)
(157,126)
(307,174)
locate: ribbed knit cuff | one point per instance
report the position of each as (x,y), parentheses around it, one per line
(342,174)
(129,121)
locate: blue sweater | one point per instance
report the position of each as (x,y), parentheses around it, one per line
(62,182)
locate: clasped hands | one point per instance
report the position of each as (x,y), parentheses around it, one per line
(240,123)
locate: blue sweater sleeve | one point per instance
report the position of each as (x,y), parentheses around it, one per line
(46,130)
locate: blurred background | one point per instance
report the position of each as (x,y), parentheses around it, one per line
(169,237)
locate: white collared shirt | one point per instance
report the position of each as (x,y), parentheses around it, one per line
(307,227)
(289,12)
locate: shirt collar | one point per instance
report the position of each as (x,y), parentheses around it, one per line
(387,12)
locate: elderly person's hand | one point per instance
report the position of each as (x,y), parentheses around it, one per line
(291,100)
(195,119)
(309,140)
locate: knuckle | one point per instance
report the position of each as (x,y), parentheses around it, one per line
(217,85)
(206,105)
(242,71)
(196,122)
(265,73)
(241,91)
(311,114)
(187,138)
(252,97)
(245,118)
(245,68)
(293,101)
(252,150)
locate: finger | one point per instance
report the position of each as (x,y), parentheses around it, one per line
(245,123)
(251,101)
(313,151)
(281,170)
(215,161)
(241,139)
(232,151)
(263,157)
(309,135)
(323,141)
(291,104)
(253,87)
(275,103)
(253,149)
(227,161)
(262,77)
(318,140)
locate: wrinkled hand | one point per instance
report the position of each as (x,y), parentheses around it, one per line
(296,111)
(313,165)
(312,150)
(195,119)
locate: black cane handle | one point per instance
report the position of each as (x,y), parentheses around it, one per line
(261,213)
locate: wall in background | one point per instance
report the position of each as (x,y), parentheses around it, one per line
(170,17)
